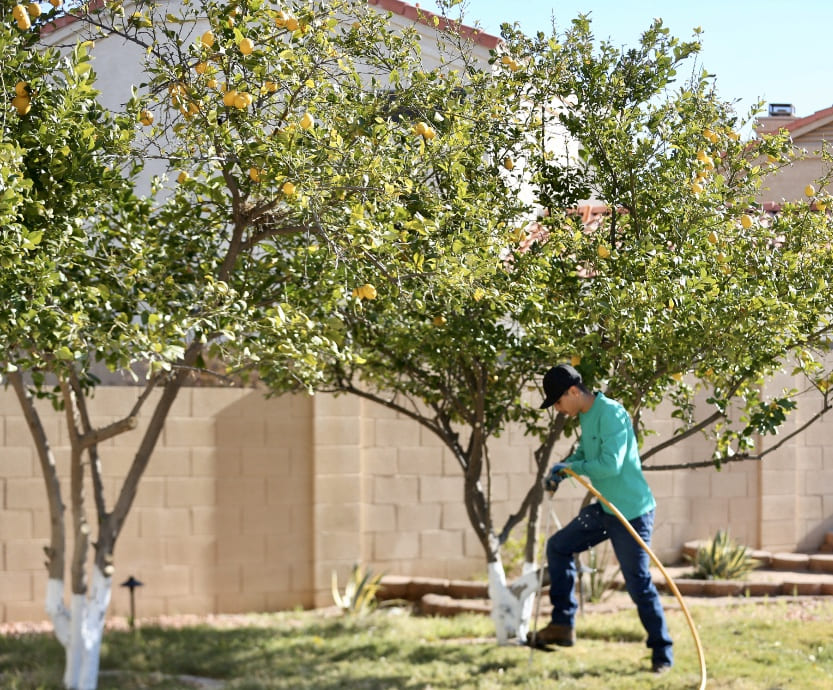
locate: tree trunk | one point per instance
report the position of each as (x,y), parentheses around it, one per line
(83,652)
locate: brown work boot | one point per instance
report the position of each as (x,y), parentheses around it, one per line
(555,633)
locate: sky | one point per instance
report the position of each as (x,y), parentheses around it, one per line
(773,50)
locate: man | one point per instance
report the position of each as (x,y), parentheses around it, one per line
(608,455)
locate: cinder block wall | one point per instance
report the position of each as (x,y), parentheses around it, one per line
(222,521)
(250,504)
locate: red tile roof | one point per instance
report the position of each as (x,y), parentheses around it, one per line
(396,6)
(425,17)
(802,125)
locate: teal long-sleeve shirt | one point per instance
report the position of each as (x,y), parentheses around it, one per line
(607,453)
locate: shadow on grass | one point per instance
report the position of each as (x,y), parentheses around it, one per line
(370,654)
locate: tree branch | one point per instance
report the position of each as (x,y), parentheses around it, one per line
(742,457)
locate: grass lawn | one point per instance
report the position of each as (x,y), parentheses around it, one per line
(748,643)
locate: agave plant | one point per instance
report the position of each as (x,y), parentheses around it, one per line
(722,559)
(359,596)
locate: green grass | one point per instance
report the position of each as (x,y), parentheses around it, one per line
(749,644)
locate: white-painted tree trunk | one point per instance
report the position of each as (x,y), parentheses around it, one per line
(512,605)
(80,628)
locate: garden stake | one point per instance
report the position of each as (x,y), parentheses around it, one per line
(534,624)
(671,585)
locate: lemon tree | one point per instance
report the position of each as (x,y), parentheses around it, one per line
(297,179)
(688,284)
(685,286)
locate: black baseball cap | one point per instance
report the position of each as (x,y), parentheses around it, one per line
(556,381)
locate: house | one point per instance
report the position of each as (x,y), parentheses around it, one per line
(809,133)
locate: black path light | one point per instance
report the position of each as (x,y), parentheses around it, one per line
(132,583)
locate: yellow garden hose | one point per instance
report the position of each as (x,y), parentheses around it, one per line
(673,587)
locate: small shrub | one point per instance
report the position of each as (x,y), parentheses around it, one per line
(722,559)
(359,596)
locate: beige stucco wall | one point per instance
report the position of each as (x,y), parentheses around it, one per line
(249,504)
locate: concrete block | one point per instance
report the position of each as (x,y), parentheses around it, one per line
(338,460)
(287,600)
(472,548)
(9,404)
(778,482)
(212,462)
(440,489)
(195,551)
(279,547)
(26,554)
(397,433)
(239,432)
(451,466)
(17,430)
(215,402)
(16,586)
(693,484)
(330,405)
(288,432)
(743,511)
(267,578)
(150,494)
(428,439)
(337,517)
(396,490)
(380,518)
(241,603)
(215,520)
(388,546)
(419,460)
(189,432)
(777,535)
(221,578)
(675,510)
(170,462)
(168,522)
(300,575)
(169,581)
(191,605)
(190,491)
(280,491)
(266,519)
(454,516)
(339,546)
(819,483)
(778,506)
(25,493)
(419,516)
(19,462)
(441,544)
(729,485)
(380,462)
(661,483)
(24,611)
(811,459)
(300,520)
(242,491)
(245,549)
(117,460)
(336,431)
(15,524)
(810,509)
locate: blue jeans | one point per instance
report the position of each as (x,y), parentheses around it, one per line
(590,527)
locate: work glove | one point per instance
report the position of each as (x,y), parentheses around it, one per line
(555,476)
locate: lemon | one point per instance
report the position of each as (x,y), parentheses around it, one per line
(246,46)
